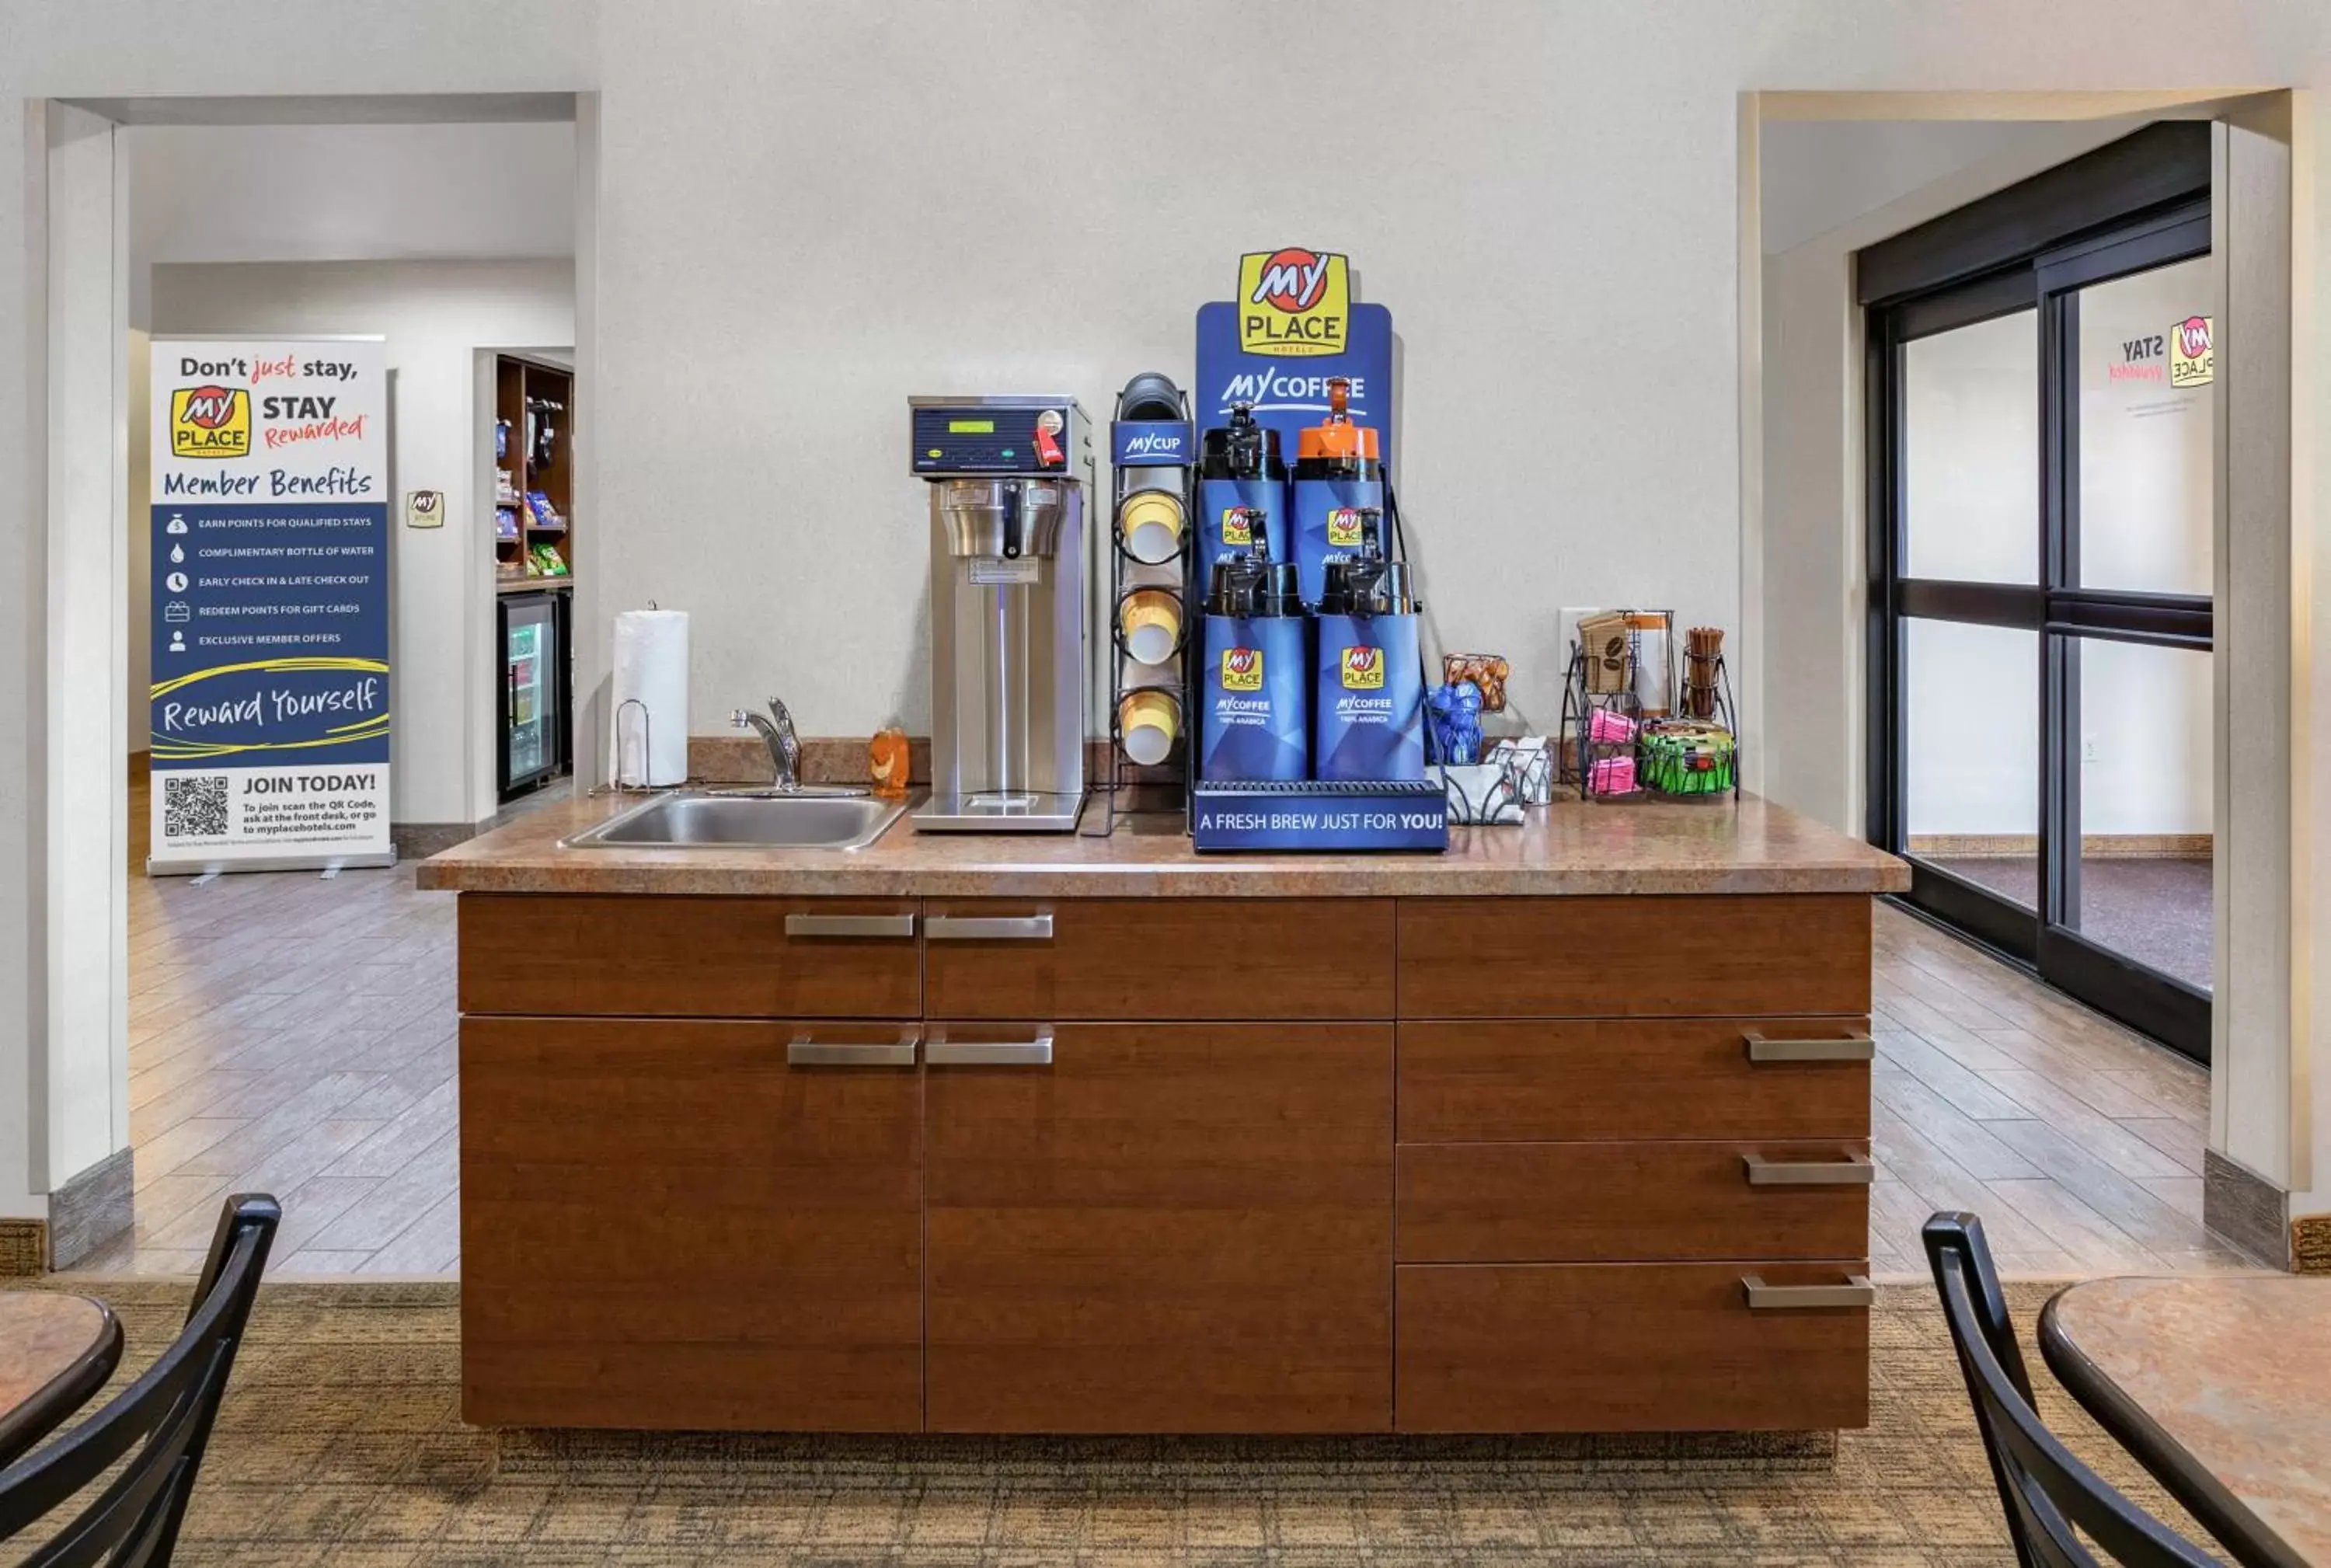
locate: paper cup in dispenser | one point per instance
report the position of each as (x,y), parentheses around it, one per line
(1242,484)
(1148,720)
(1152,523)
(1339,479)
(1252,718)
(1151,621)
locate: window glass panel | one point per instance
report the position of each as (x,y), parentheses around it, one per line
(1972,733)
(2148,382)
(2145,760)
(1971,452)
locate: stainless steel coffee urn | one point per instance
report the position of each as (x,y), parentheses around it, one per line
(1009,477)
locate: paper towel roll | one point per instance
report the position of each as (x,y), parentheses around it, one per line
(651,669)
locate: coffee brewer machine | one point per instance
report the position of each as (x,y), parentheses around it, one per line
(1008,477)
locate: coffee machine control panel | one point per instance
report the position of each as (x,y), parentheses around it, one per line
(971,436)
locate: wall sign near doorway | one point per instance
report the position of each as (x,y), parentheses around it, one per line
(270,707)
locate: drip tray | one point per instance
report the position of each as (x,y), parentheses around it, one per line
(1000,811)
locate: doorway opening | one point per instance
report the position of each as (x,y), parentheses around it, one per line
(2042,441)
(291,1031)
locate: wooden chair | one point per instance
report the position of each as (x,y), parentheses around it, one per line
(161,1422)
(2045,1490)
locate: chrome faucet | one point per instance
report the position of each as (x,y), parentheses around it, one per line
(776,733)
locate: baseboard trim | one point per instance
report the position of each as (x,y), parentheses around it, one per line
(92,1208)
(419,840)
(24,1247)
(2242,1207)
(2093,846)
(2310,1244)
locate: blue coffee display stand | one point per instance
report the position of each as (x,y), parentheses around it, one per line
(1276,352)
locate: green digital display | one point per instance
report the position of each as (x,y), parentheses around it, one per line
(971,427)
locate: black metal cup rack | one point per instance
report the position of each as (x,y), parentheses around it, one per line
(1174,677)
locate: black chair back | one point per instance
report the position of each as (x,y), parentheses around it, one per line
(2046,1491)
(160,1423)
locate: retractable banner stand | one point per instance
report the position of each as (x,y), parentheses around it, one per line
(270,693)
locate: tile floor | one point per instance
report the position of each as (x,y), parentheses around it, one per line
(294,1033)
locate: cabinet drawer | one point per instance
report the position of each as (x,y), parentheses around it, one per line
(1626,1201)
(1626,1348)
(1230,959)
(1556,1080)
(661,958)
(685,1224)
(1633,957)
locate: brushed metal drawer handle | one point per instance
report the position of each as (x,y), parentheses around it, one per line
(850,925)
(807,1051)
(1857,1291)
(941,1051)
(1853,1171)
(989,927)
(1845,1048)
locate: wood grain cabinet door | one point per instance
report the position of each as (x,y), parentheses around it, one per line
(691,1225)
(1164,1228)
(1226,959)
(535,954)
(1634,957)
(1624,1348)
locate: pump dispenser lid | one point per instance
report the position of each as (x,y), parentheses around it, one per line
(1243,449)
(1336,438)
(1367,584)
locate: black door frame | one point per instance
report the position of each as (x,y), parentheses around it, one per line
(2137,205)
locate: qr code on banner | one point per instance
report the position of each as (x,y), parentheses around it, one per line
(194,808)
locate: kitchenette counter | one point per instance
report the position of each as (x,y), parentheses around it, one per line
(1566,1130)
(1570,847)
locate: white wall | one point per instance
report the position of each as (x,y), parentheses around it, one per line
(138,556)
(436,315)
(1819,175)
(345,193)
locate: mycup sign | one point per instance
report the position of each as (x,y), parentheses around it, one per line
(1149,444)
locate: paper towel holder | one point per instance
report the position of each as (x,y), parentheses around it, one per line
(647,746)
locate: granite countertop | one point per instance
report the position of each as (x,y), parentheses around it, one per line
(1570,847)
(2233,1369)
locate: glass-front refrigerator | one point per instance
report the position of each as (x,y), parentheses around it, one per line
(534,730)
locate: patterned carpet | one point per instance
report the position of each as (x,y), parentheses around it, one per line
(340,1444)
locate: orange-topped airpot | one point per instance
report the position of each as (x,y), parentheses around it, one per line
(1336,439)
(1339,481)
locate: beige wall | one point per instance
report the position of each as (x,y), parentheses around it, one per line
(795,234)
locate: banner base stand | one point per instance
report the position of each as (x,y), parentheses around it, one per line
(189,866)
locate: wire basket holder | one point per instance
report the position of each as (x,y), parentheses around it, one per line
(1613,749)
(1602,714)
(1131,473)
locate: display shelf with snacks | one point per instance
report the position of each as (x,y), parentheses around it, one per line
(533,526)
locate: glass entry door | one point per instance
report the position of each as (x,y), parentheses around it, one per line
(2043,712)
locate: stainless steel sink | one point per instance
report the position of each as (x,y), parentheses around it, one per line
(806,819)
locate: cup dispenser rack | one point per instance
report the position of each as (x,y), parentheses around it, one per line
(1153,448)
